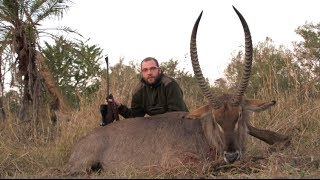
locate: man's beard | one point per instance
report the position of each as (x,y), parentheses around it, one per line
(156,80)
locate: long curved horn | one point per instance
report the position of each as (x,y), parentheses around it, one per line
(248,60)
(196,67)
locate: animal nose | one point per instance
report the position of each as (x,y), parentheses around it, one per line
(231,157)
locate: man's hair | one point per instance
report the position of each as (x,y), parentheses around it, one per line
(150,59)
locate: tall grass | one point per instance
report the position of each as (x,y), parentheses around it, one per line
(25,154)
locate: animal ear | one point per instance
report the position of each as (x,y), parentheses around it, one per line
(257,105)
(201,111)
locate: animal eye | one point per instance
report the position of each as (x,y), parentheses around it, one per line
(237,122)
(220,128)
(236,126)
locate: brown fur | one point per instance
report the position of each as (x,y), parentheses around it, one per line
(168,140)
(164,140)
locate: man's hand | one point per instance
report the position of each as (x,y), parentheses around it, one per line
(115,101)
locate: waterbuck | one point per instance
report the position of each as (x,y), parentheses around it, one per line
(178,138)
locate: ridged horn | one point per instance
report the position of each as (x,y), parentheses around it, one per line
(196,66)
(248,60)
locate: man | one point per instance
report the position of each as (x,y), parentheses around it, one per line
(155,94)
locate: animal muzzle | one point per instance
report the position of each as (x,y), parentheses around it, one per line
(231,157)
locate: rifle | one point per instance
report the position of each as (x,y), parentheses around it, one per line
(113,113)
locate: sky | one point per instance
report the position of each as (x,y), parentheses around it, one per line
(135,29)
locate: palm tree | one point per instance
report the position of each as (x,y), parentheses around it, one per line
(19,35)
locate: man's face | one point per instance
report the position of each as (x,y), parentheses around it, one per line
(150,72)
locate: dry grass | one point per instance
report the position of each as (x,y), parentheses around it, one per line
(26,155)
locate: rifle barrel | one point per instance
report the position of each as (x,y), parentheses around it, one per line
(107,62)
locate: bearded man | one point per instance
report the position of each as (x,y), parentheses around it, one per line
(156,93)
